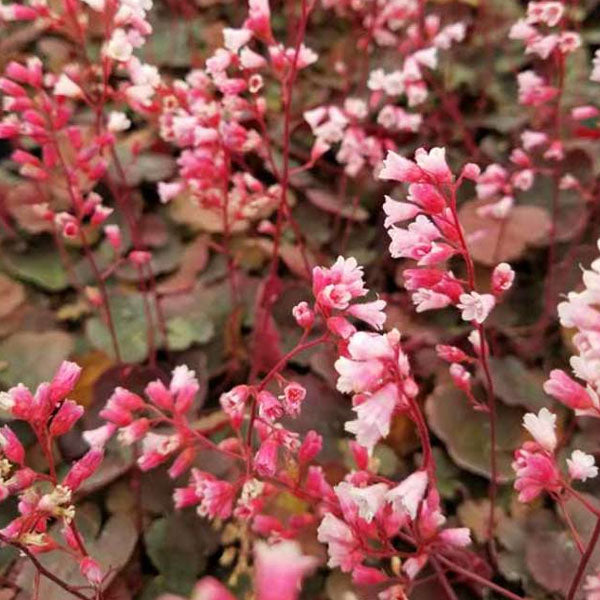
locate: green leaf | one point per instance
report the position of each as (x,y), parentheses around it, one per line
(32,357)
(467,432)
(127,311)
(516,385)
(182,331)
(40,265)
(178,546)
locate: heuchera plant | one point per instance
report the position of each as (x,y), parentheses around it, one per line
(280,149)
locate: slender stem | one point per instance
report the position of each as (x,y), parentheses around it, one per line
(477,578)
(41,569)
(450,595)
(583,563)
(571,526)
(491,396)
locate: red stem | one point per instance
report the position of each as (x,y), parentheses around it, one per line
(585,559)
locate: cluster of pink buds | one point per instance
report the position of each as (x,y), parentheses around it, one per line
(544,35)
(43,499)
(162,424)
(536,463)
(38,110)
(434,236)
(365,510)
(580,311)
(348,126)
(129,26)
(361,142)
(500,185)
(421,52)
(542,32)
(217,117)
(370,512)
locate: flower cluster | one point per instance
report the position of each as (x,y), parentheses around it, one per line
(43,498)
(580,311)
(537,30)
(536,463)
(217,117)
(362,142)
(432,238)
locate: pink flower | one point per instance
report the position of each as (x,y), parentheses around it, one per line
(234,39)
(398,211)
(452,354)
(425,299)
(156,449)
(269,408)
(279,570)
(401,169)
(471,171)
(582,466)
(434,164)
(533,89)
(134,432)
(311,446)
(342,547)
(476,307)
(216,496)
(168,191)
(337,286)
(184,386)
(64,380)
(536,472)
(91,570)
(568,391)
(265,460)
(407,496)
(427,196)
(533,139)
(374,416)
(113,235)
(461,377)
(11,446)
(97,438)
(592,587)
(542,427)
(368,500)
(303,314)
(502,278)
(139,257)
(209,588)
(83,469)
(233,403)
(66,416)
(357,376)
(293,395)
(259,16)
(370,312)
(457,536)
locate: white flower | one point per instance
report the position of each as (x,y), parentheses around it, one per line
(65,86)
(408,495)
(6,401)
(368,500)
(119,47)
(97,5)
(476,307)
(118,121)
(582,466)
(234,39)
(542,427)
